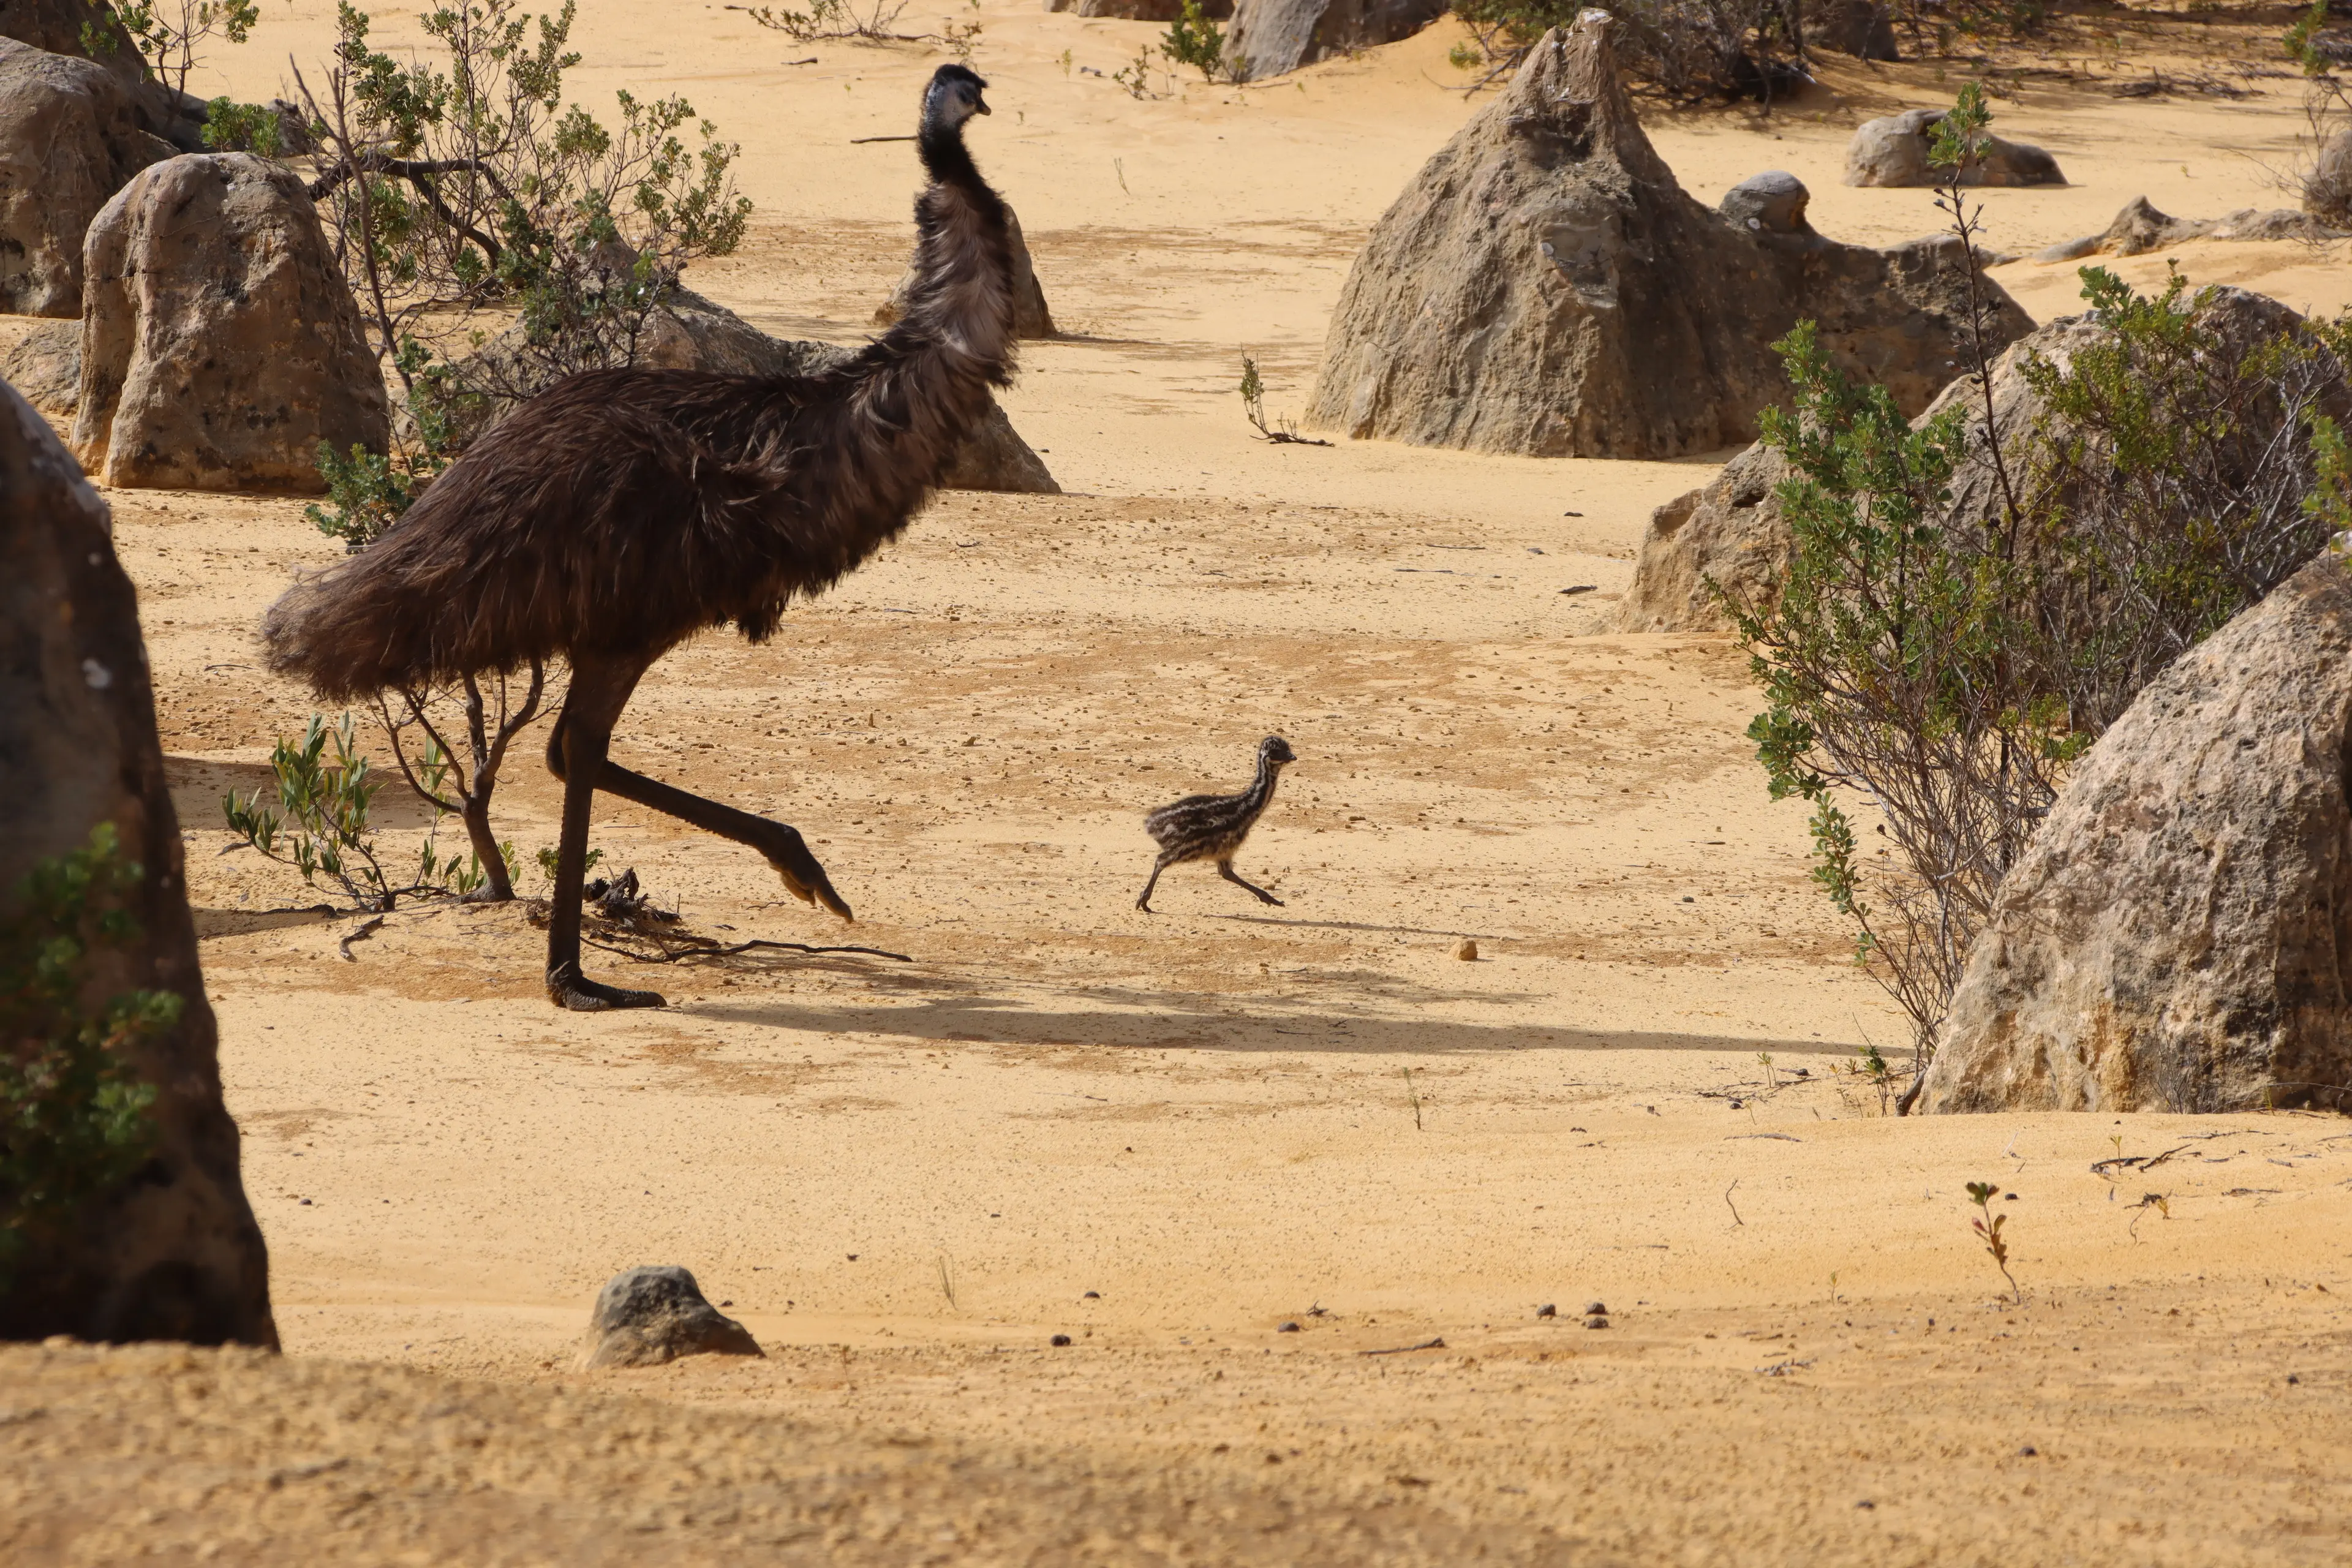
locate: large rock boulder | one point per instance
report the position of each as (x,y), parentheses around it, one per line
(176,1253)
(92,30)
(1894,151)
(1732,531)
(1031,318)
(220,344)
(44,363)
(647,1316)
(1545,287)
(1271,36)
(2140,228)
(2179,935)
(690,332)
(71,134)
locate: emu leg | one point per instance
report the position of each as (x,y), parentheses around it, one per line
(1225,869)
(1144,899)
(585,732)
(781,845)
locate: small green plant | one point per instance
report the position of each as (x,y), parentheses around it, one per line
(75,1120)
(1412,1096)
(1764,1059)
(1193,39)
(234,127)
(320,824)
(947,1283)
(1988,1227)
(1135,77)
(546,856)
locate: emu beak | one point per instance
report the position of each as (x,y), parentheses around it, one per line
(979,105)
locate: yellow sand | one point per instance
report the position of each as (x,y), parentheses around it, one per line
(1220,1118)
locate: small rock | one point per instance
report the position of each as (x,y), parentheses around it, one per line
(647,1316)
(1468,952)
(1596,1322)
(2293,1380)
(1547,1309)
(1595,1310)
(1059,1340)
(1093,1295)
(1287,1329)
(1865,1502)
(2028,1452)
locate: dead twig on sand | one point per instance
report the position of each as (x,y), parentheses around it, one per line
(1406,1349)
(2136,1162)
(1732,1206)
(360,933)
(1776,1137)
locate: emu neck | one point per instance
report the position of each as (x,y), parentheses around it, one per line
(1261,789)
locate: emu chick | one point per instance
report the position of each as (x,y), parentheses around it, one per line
(1211,826)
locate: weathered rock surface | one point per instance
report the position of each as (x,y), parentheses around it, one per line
(90,30)
(1543,286)
(647,1316)
(2140,228)
(71,134)
(2328,188)
(220,344)
(1271,36)
(176,1254)
(1142,10)
(2179,935)
(1031,318)
(690,332)
(1893,151)
(44,364)
(1732,530)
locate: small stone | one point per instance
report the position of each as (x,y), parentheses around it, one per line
(1865,1502)
(647,1316)
(1468,952)
(1287,1329)
(1093,1295)
(1596,1322)
(1595,1310)
(2292,1378)
(1059,1340)
(2028,1452)
(1549,1309)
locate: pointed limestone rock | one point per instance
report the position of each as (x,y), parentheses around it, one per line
(1544,286)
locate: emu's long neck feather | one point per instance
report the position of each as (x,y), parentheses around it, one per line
(1261,789)
(906,404)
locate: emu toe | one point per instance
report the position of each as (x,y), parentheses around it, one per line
(803,875)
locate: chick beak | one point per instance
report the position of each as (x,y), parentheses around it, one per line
(979,105)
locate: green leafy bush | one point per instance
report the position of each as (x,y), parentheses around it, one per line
(320,823)
(234,127)
(75,1123)
(1946,665)
(1193,39)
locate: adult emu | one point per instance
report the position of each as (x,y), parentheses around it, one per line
(622,511)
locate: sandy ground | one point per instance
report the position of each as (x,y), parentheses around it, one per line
(1166,1136)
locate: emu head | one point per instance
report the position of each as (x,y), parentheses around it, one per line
(952,99)
(1275,751)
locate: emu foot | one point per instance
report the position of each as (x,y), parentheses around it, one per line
(1143,904)
(789,854)
(574,992)
(1269,898)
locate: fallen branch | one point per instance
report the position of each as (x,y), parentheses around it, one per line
(1780,1137)
(1406,1349)
(1732,1206)
(364,931)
